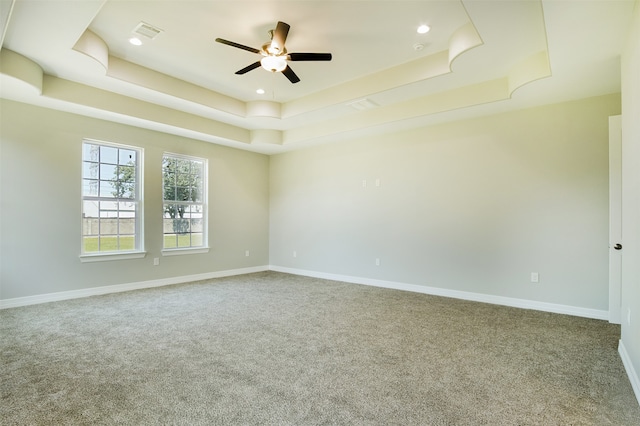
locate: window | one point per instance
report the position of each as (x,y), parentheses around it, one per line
(111,199)
(184,202)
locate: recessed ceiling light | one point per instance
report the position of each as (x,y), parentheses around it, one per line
(260,91)
(423,29)
(135,41)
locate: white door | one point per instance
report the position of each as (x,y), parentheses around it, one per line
(615,219)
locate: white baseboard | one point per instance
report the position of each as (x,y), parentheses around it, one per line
(631,372)
(476,297)
(96,291)
(464,295)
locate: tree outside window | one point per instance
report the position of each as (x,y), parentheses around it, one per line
(184,206)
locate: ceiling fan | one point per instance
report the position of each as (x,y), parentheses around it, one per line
(275,55)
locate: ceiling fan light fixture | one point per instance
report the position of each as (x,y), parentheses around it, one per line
(273,50)
(274,63)
(274,54)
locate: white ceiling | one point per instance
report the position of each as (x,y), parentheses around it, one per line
(480,57)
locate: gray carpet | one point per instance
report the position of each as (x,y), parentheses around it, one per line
(278,349)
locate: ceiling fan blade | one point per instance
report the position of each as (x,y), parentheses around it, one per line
(279,37)
(288,72)
(239,46)
(310,56)
(249,68)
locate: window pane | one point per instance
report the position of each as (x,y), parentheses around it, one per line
(127,226)
(109,205)
(128,192)
(169,193)
(197,240)
(196,194)
(108,243)
(90,244)
(170,241)
(170,210)
(90,227)
(127,173)
(173,193)
(90,170)
(168,164)
(108,226)
(127,209)
(169,179)
(183,166)
(127,156)
(91,152)
(108,154)
(184,240)
(127,242)
(90,188)
(167,226)
(108,172)
(107,189)
(124,189)
(90,208)
(196,225)
(108,209)
(180,226)
(182,193)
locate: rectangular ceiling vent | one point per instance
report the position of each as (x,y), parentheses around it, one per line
(362,104)
(146,30)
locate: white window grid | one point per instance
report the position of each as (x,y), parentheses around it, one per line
(184,187)
(111,198)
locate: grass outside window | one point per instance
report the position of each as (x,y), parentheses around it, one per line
(108,243)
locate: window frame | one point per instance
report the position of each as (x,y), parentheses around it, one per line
(204,248)
(138,201)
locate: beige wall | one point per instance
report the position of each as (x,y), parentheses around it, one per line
(473,206)
(41,220)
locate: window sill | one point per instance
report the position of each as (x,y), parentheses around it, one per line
(107,257)
(182,251)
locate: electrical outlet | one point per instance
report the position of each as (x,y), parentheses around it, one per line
(246,253)
(364,183)
(535,277)
(295,253)
(156,261)
(377,261)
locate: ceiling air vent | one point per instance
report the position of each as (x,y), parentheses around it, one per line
(146,30)
(362,104)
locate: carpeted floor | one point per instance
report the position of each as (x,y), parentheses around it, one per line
(278,349)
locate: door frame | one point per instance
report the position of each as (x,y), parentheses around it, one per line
(615,218)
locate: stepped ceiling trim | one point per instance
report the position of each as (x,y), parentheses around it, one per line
(488,54)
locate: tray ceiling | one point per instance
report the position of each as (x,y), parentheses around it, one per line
(479,57)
